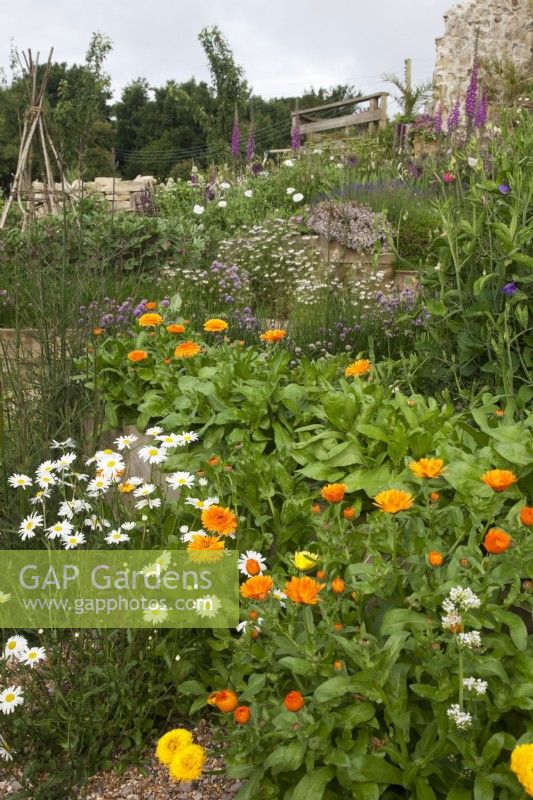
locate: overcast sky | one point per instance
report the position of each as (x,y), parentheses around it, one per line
(284,46)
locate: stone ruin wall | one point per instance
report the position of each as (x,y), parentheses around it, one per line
(505,30)
(122,195)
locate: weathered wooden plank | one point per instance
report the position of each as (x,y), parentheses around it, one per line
(363,118)
(338,104)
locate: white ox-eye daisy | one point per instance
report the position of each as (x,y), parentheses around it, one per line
(117,537)
(153,454)
(98,485)
(111,464)
(73,540)
(64,462)
(148,502)
(10,698)
(197,502)
(30,525)
(32,656)
(178,479)
(155,430)
(168,439)
(126,442)
(5,750)
(15,647)
(187,536)
(46,480)
(19,481)
(59,528)
(187,436)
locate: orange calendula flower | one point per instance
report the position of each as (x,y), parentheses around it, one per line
(293,701)
(213,461)
(499,412)
(151,306)
(303,590)
(98,331)
(187,350)
(273,335)
(201,542)
(215,325)
(434,497)
(360,367)
(150,320)
(526,515)
(427,467)
(242,715)
(137,355)
(321,574)
(499,479)
(496,541)
(175,328)
(337,665)
(126,488)
(349,513)
(225,700)
(257,588)
(393,500)
(333,492)
(435,559)
(219,520)
(316,508)
(337,586)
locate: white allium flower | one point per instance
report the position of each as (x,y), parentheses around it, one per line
(198,210)
(225,185)
(291,190)
(462,719)
(248,193)
(222,204)
(298,197)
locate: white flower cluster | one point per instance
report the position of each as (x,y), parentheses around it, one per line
(462,598)
(462,719)
(110,472)
(469,640)
(475,685)
(16,649)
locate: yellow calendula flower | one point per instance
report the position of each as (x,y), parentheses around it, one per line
(304,560)
(187,764)
(427,467)
(522,766)
(169,744)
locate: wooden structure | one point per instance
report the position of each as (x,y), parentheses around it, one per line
(373,118)
(34,133)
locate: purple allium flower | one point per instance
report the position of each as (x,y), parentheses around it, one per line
(257,168)
(482,109)
(296,137)
(236,136)
(453,119)
(504,188)
(437,121)
(509,289)
(194,179)
(471,94)
(250,144)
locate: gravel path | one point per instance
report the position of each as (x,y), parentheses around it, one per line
(155,784)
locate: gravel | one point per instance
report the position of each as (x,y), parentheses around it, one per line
(153,783)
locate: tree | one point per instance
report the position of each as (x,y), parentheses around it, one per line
(411,98)
(229,84)
(81,114)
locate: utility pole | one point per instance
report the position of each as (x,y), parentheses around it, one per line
(408,74)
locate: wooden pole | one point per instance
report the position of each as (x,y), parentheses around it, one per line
(408,74)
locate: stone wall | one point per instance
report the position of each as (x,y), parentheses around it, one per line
(120,194)
(505,31)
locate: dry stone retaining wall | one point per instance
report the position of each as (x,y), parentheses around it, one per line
(505,31)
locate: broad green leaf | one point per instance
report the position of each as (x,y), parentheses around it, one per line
(297,665)
(311,787)
(286,757)
(398,618)
(483,788)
